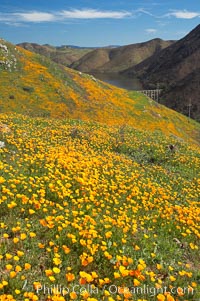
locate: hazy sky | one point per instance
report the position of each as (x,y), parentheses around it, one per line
(96,22)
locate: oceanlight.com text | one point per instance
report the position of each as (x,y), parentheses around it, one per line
(45,289)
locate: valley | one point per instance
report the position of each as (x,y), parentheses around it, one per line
(174,65)
(119,80)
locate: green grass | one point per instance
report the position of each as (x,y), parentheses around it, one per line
(117,194)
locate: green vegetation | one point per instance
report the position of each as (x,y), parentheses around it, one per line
(89,204)
(99,196)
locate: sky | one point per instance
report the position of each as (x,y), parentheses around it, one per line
(96,23)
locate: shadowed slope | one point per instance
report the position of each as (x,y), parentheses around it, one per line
(176,69)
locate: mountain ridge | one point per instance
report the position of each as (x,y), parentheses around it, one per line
(95,58)
(119,58)
(65,54)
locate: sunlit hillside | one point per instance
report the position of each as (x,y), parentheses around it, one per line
(36,86)
(99,189)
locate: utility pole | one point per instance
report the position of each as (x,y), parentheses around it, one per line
(189,108)
(157,94)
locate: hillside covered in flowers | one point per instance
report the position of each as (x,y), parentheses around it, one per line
(95,212)
(99,189)
(34,85)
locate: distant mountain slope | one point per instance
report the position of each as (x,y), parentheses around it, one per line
(64,55)
(92,60)
(176,68)
(34,85)
(120,58)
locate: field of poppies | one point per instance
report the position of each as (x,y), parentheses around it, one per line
(95,212)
